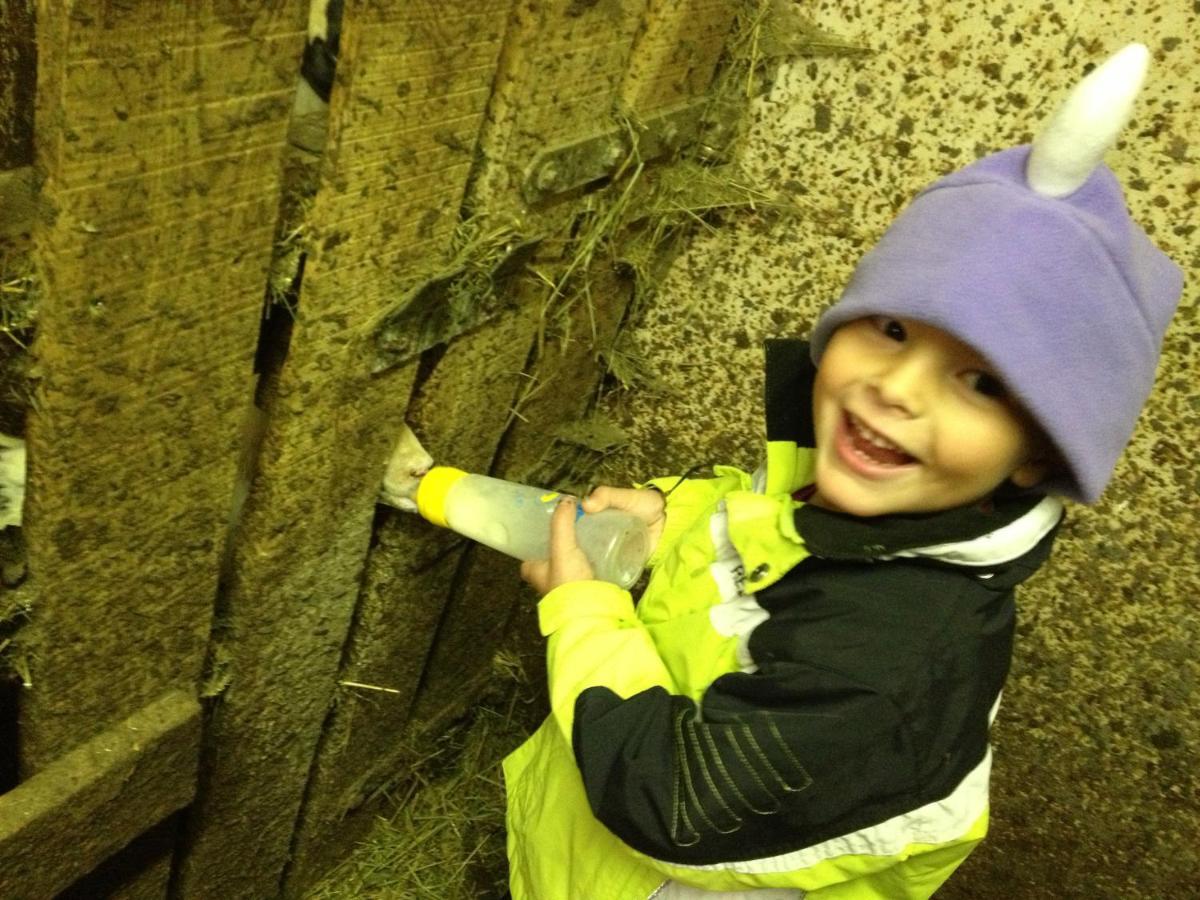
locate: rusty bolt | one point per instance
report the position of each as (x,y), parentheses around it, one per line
(547,176)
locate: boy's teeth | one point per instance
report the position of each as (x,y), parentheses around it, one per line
(874,437)
(876,447)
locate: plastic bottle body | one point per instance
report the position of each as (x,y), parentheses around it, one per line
(515,520)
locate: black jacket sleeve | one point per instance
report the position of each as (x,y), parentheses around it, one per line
(775,763)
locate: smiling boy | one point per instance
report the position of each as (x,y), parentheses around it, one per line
(799,704)
(910,419)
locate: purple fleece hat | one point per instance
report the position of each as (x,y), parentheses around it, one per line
(1067,297)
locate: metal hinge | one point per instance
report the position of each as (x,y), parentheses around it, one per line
(701,123)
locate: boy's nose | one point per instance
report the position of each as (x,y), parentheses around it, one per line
(903,386)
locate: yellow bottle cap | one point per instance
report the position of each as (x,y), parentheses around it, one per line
(432,491)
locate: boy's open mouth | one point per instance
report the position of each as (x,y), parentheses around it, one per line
(873,447)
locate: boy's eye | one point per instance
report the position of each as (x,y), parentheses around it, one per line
(988,385)
(890,328)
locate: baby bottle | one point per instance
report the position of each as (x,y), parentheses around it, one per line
(515,519)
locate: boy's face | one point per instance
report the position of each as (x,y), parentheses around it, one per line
(910,419)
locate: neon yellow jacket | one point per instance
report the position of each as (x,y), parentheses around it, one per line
(800,699)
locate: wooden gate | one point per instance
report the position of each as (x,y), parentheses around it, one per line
(180,715)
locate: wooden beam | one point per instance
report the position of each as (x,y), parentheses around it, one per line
(92,801)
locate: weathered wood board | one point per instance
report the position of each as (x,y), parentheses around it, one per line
(461,409)
(565,380)
(676,53)
(159,129)
(411,87)
(558,79)
(129,777)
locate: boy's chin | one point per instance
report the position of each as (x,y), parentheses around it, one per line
(868,500)
(853,504)
(841,492)
(834,496)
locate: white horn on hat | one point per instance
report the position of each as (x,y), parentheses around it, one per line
(1075,139)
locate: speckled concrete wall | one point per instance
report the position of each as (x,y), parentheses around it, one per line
(1095,790)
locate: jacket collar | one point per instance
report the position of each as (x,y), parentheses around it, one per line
(980,535)
(999,530)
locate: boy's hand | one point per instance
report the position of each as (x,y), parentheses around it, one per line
(648,505)
(567,562)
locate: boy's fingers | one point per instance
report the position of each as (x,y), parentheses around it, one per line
(605,497)
(562,527)
(597,500)
(645,504)
(536,574)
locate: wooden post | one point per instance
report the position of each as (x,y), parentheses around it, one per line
(159,129)
(411,86)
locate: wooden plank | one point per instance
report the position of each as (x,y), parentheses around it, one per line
(18,201)
(373,736)
(563,63)
(93,800)
(558,76)
(412,84)
(18,77)
(563,390)
(160,129)
(460,411)
(676,53)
